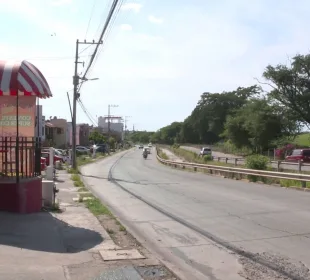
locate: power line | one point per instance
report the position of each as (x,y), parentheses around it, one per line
(111,12)
(90,18)
(86,112)
(109,31)
(86,48)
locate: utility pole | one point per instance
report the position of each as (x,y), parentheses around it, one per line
(76,95)
(125,120)
(109,118)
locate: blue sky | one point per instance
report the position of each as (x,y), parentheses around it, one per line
(159,56)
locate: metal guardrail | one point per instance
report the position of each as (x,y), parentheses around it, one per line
(244,171)
(278,162)
(237,161)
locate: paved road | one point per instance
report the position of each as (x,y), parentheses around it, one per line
(265,229)
(219,154)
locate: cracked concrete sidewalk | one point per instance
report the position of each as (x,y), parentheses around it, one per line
(52,246)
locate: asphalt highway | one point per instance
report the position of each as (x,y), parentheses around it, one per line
(207,227)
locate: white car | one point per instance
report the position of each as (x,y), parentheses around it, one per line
(147,149)
(205,151)
(82,149)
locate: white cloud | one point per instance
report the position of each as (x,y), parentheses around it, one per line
(155,20)
(136,7)
(126,27)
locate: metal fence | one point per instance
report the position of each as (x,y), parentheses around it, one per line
(20,157)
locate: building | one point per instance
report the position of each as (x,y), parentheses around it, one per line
(116,126)
(40,123)
(56,132)
(81,136)
(83,132)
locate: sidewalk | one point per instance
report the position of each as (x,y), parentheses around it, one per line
(49,246)
(69,245)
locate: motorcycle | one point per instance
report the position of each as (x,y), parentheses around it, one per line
(144,155)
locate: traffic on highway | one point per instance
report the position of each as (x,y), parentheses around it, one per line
(206,227)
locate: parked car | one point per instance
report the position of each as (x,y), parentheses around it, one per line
(100,148)
(205,151)
(299,154)
(140,146)
(43,163)
(82,149)
(57,152)
(47,157)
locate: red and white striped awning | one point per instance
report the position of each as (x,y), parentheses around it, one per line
(22,78)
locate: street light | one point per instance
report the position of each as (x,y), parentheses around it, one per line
(109,113)
(76,95)
(92,79)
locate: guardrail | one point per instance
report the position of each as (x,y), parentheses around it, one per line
(244,171)
(237,161)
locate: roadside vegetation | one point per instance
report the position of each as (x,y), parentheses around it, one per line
(162,154)
(114,228)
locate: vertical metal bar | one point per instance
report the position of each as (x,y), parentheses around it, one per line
(11,156)
(22,156)
(6,155)
(29,156)
(17,141)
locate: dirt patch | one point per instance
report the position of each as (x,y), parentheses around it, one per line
(287,268)
(149,268)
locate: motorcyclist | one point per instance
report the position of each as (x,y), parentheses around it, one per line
(144,152)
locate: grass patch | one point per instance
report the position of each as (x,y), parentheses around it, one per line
(77,182)
(97,208)
(110,231)
(82,195)
(82,189)
(303,140)
(190,156)
(72,171)
(293,183)
(75,177)
(162,154)
(122,228)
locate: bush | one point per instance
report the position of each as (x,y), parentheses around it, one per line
(176,146)
(257,162)
(207,158)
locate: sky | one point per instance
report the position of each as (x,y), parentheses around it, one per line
(158,57)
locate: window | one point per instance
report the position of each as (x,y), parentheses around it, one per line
(306,153)
(59,130)
(296,152)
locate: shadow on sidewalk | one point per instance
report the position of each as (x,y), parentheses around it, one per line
(43,232)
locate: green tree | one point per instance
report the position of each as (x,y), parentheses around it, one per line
(97,137)
(112,142)
(291,86)
(255,125)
